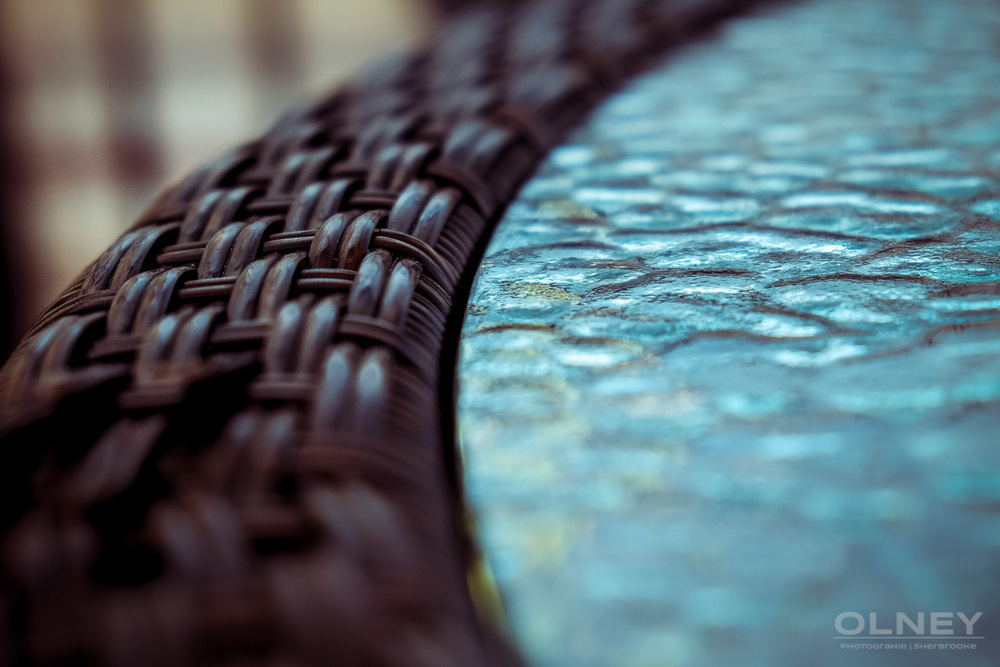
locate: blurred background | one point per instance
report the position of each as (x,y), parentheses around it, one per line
(106,101)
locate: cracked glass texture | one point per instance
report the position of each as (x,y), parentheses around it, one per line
(730,366)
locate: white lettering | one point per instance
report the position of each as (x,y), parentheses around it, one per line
(917,628)
(839,623)
(941,623)
(969,622)
(873,626)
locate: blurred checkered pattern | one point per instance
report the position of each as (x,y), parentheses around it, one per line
(105,101)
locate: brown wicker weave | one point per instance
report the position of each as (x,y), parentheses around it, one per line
(231,441)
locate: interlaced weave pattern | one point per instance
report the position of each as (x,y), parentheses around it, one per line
(231,440)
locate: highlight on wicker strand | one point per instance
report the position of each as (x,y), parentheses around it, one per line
(231,439)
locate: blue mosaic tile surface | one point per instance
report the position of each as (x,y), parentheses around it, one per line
(732,363)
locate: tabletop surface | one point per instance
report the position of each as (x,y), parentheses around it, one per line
(730,367)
